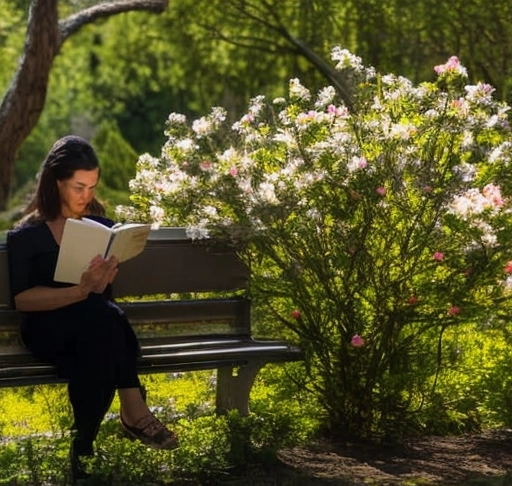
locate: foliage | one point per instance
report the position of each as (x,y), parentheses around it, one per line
(370,233)
(134,69)
(11,42)
(36,420)
(117,157)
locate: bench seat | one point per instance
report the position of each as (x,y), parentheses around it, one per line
(22,368)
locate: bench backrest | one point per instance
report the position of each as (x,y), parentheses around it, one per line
(170,263)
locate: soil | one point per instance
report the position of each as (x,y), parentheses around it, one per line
(473,460)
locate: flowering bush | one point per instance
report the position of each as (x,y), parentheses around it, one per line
(370,231)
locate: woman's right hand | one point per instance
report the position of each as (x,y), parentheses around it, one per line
(100,273)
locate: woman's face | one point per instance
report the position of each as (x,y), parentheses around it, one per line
(77,192)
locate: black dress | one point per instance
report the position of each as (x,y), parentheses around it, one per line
(90,342)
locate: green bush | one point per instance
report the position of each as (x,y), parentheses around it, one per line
(36,421)
(374,223)
(117,157)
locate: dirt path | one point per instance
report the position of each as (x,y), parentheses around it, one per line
(476,460)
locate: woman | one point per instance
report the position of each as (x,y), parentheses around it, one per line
(77,328)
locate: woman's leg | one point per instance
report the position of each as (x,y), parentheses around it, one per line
(133,406)
(105,358)
(90,403)
(140,423)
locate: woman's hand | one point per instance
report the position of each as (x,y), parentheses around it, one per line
(100,273)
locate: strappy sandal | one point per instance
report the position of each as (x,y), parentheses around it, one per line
(150,431)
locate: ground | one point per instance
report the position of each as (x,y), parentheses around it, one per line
(475,460)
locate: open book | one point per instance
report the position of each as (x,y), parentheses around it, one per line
(83,239)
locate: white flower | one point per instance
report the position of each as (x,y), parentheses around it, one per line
(467,140)
(186,145)
(402,131)
(197,232)
(501,153)
(202,126)
(229,155)
(267,193)
(488,237)
(507,283)
(481,92)
(210,211)
(325,96)
(298,91)
(256,105)
(286,137)
(357,163)
(465,171)
(146,160)
(218,115)
(346,60)
(468,204)
(157,215)
(177,119)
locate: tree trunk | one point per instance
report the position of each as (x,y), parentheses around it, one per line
(25,99)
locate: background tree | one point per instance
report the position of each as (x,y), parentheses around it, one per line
(25,98)
(137,68)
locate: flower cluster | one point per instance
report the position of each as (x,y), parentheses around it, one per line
(407,172)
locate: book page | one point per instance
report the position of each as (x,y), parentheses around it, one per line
(129,240)
(81,241)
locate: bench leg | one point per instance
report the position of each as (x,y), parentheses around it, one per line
(234,387)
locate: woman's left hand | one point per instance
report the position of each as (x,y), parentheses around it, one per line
(100,273)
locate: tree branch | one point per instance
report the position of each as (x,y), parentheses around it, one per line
(264,13)
(75,22)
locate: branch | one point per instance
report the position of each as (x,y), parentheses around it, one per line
(75,22)
(268,17)
(333,76)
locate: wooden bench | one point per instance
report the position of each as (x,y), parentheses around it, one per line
(186,301)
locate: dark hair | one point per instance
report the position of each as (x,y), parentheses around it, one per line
(68,154)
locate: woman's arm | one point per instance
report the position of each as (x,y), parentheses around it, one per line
(48,298)
(100,273)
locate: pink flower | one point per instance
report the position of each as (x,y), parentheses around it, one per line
(453,311)
(336,111)
(453,64)
(295,314)
(233,171)
(357,341)
(493,194)
(381,191)
(508,267)
(438,256)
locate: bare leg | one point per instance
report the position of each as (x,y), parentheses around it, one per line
(133,407)
(139,422)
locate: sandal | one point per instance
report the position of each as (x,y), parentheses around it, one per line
(150,431)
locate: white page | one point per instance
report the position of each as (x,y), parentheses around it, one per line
(82,240)
(129,240)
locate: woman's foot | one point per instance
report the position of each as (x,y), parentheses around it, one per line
(78,471)
(150,431)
